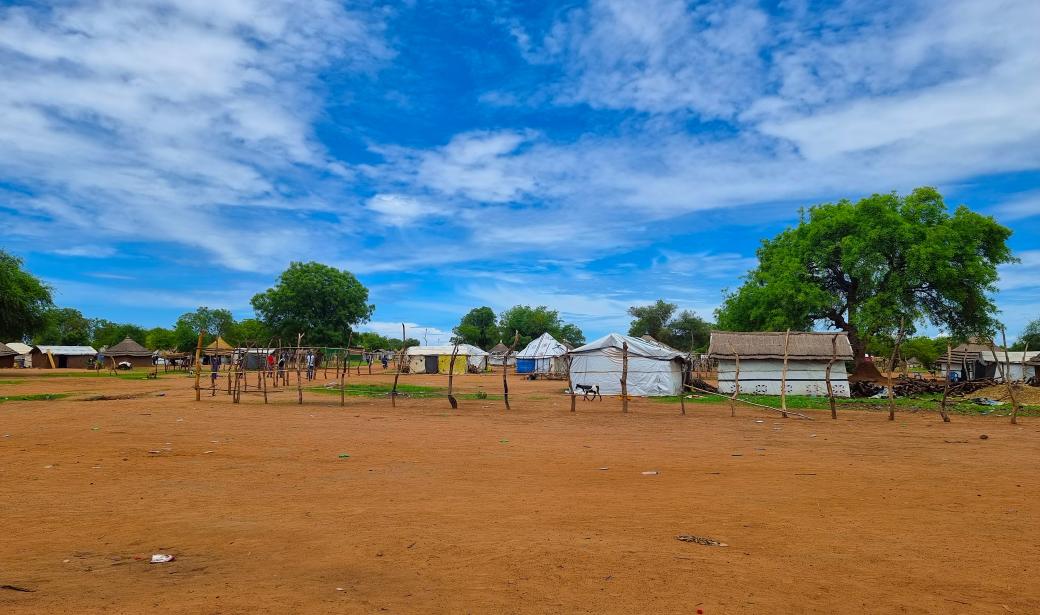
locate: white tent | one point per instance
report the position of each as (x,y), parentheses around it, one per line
(422,359)
(24,353)
(653,370)
(544,355)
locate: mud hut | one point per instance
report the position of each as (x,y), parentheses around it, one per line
(128,351)
(62,357)
(24,356)
(762,362)
(7,356)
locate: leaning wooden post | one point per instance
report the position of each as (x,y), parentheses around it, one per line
(505,369)
(198,365)
(1007,378)
(891,366)
(624,377)
(682,388)
(570,381)
(299,379)
(343,376)
(783,377)
(400,358)
(946,385)
(736,386)
(451,376)
(830,389)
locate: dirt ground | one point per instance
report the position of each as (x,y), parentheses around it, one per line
(479,510)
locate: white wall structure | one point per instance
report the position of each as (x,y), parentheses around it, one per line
(761,357)
(653,370)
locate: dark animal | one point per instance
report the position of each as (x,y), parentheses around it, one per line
(589,389)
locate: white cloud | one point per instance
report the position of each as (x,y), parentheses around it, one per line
(400,210)
(1025,205)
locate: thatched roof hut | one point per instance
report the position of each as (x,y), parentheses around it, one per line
(127,348)
(802,346)
(761,357)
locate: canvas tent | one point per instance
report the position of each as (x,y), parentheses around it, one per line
(653,370)
(544,355)
(46,356)
(497,355)
(762,362)
(128,351)
(7,356)
(437,359)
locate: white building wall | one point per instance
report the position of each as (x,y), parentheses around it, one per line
(763,377)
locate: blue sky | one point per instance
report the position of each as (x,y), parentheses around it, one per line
(159,156)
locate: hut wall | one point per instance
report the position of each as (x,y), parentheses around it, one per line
(416,364)
(136,362)
(7,361)
(444,362)
(763,377)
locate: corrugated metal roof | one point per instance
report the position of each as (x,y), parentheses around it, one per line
(19,347)
(67,350)
(770,345)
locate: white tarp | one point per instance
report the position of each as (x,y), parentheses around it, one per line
(476,357)
(763,377)
(653,370)
(544,347)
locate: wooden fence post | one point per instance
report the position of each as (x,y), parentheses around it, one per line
(400,358)
(570,381)
(198,367)
(1007,377)
(451,376)
(783,377)
(505,368)
(830,389)
(736,386)
(946,385)
(343,375)
(891,366)
(624,377)
(299,380)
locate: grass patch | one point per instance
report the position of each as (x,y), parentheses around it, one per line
(11,381)
(381,390)
(930,402)
(34,397)
(480,396)
(125,375)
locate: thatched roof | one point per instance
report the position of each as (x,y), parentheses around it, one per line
(219,345)
(7,352)
(770,345)
(499,349)
(128,348)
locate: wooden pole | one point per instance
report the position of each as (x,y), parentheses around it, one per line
(830,364)
(946,385)
(570,381)
(1007,378)
(343,376)
(505,369)
(891,366)
(736,387)
(198,366)
(400,358)
(783,376)
(451,376)
(299,379)
(751,403)
(682,396)
(624,377)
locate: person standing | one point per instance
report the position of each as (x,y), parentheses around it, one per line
(310,365)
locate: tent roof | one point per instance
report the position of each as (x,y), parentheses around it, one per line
(219,344)
(7,352)
(19,347)
(67,350)
(446,349)
(499,348)
(636,347)
(542,347)
(770,345)
(128,348)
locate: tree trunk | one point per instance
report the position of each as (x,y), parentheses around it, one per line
(859,345)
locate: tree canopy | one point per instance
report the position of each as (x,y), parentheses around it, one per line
(64,327)
(210,322)
(682,331)
(532,322)
(24,300)
(322,302)
(479,327)
(862,267)
(1030,336)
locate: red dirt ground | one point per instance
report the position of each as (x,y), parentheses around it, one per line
(485,511)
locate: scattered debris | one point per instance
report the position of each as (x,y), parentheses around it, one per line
(344,456)
(707,542)
(983,437)
(986,401)
(161,558)
(955,441)
(503,441)
(651,473)
(15,588)
(604,468)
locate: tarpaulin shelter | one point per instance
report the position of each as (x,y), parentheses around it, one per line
(437,359)
(544,355)
(653,370)
(762,362)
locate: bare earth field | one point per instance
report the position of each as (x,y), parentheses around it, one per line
(479,510)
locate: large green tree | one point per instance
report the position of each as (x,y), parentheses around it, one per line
(479,327)
(863,267)
(66,327)
(683,331)
(160,338)
(249,331)
(24,300)
(322,302)
(1030,337)
(210,322)
(106,333)
(532,322)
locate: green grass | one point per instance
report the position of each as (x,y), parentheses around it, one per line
(11,381)
(140,374)
(34,397)
(381,390)
(930,402)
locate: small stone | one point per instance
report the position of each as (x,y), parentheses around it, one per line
(983,437)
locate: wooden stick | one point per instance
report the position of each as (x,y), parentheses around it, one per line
(343,376)
(946,385)
(400,358)
(751,403)
(830,389)
(505,368)
(451,376)
(624,377)
(891,366)
(783,376)
(570,381)
(299,380)
(1007,378)
(682,398)
(736,387)
(198,365)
